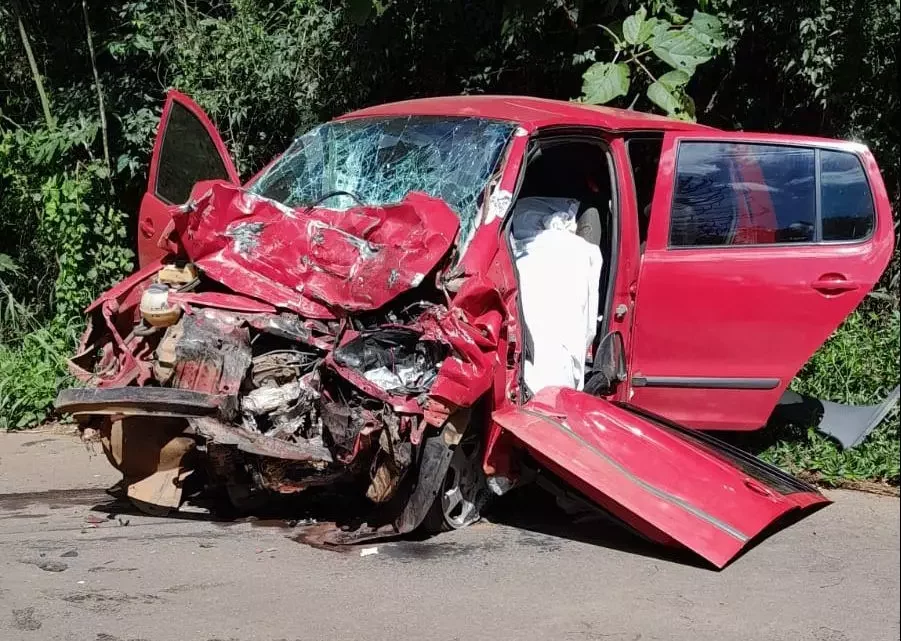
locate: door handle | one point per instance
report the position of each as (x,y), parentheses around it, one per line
(147,228)
(834,284)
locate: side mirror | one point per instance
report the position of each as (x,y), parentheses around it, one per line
(609,366)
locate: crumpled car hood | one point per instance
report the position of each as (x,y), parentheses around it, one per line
(321,263)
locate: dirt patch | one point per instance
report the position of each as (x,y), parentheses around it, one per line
(54,498)
(38,442)
(57,428)
(871,487)
(47,565)
(107,600)
(26,620)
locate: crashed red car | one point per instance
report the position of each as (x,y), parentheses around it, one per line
(431,301)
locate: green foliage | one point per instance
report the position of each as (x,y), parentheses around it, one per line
(74,236)
(31,371)
(681,44)
(858,365)
(14,316)
(258,70)
(604,81)
(88,236)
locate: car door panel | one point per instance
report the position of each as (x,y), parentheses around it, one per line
(187,150)
(670,484)
(720,331)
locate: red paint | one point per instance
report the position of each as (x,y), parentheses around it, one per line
(743,311)
(530,113)
(317,262)
(666,486)
(221,301)
(155,213)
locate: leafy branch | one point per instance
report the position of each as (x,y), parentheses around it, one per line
(675,43)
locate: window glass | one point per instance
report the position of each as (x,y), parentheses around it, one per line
(644,156)
(737,193)
(847,205)
(381,160)
(187,156)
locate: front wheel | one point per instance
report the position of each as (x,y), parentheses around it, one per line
(464,491)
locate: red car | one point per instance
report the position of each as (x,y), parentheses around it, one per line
(432,301)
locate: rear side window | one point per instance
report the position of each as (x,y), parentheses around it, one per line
(187,156)
(847,203)
(755,194)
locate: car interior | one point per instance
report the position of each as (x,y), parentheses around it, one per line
(575,168)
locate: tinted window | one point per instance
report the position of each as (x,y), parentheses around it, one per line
(847,204)
(188,155)
(736,193)
(644,156)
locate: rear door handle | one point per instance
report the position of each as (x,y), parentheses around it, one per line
(147,228)
(834,284)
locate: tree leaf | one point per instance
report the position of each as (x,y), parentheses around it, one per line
(648,27)
(707,29)
(664,98)
(632,27)
(8,265)
(604,81)
(674,79)
(680,49)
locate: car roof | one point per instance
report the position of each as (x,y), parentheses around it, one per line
(529,112)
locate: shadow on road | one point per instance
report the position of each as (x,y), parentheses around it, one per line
(532,509)
(529,509)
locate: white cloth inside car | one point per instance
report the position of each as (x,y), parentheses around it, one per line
(559,280)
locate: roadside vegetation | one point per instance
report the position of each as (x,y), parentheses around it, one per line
(79,105)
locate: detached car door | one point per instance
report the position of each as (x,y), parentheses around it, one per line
(187,149)
(671,484)
(759,246)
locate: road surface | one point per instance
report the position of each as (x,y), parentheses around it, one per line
(76,566)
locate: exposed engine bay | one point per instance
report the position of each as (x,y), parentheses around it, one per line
(275,351)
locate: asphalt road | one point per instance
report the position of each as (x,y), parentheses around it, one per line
(75,566)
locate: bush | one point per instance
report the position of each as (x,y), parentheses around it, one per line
(30,373)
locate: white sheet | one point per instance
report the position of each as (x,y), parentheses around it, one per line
(559,279)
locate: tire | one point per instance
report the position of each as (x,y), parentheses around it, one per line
(464,491)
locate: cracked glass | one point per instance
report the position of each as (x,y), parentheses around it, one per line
(379,161)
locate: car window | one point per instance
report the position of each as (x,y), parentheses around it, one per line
(737,193)
(187,156)
(379,161)
(644,156)
(847,204)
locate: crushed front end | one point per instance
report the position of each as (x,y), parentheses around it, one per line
(276,350)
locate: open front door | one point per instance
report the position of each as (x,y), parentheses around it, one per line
(187,149)
(671,484)
(759,246)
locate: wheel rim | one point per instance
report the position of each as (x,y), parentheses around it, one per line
(464,490)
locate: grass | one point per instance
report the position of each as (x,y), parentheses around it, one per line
(32,369)
(858,365)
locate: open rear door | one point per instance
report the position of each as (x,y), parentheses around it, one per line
(187,149)
(671,484)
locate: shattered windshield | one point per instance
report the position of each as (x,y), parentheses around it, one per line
(379,161)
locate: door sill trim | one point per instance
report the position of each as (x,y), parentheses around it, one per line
(702,382)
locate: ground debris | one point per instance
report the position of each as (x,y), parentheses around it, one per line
(47,565)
